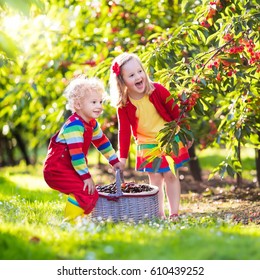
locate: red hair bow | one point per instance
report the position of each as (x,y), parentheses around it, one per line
(116,69)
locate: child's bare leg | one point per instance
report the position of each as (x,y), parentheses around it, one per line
(173,191)
(156,179)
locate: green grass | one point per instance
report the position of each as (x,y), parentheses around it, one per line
(125,242)
(209,158)
(31,228)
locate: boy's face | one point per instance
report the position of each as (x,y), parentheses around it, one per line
(90,106)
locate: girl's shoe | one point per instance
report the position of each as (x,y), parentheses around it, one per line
(174,217)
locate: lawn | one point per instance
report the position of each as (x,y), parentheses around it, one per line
(219,223)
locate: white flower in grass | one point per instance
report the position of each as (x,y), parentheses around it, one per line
(91,227)
(99,219)
(124,218)
(109,219)
(130,221)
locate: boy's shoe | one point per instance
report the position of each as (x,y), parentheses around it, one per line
(72,209)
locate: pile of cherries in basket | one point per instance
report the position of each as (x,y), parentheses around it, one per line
(130,187)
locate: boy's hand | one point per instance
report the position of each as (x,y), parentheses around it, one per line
(89,183)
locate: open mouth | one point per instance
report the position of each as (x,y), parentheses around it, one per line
(139,84)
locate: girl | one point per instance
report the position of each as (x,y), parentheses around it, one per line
(66,165)
(142,110)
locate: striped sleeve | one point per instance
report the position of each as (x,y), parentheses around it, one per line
(73,135)
(102,143)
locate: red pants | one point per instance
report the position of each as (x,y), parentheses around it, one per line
(60,175)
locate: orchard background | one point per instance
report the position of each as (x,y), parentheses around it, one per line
(207,53)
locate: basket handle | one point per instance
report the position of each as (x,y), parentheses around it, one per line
(119,181)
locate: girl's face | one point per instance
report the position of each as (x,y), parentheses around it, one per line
(134,78)
(90,106)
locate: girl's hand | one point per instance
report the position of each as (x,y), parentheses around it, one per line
(119,165)
(89,183)
(190,143)
(123,161)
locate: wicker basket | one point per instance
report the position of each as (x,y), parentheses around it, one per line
(127,206)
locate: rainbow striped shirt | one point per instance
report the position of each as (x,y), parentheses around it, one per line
(78,135)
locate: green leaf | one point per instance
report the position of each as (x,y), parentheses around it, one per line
(8,45)
(211,37)
(211,175)
(230,117)
(156,163)
(164,130)
(202,36)
(182,137)
(248,130)
(204,82)
(237,165)
(171,164)
(222,170)
(230,171)
(238,133)
(188,133)
(143,164)
(199,109)
(184,3)
(175,148)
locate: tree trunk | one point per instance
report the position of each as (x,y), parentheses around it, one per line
(7,156)
(22,147)
(239,175)
(257,161)
(2,158)
(194,165)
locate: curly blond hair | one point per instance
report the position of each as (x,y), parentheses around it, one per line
(79,87)
(118,89)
